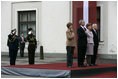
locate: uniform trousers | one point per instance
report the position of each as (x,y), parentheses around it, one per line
(13,55)
(31,53)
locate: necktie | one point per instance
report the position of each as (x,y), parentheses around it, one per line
(22,39)
(95,32)
(84,29)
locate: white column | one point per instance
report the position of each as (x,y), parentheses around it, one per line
(85,11)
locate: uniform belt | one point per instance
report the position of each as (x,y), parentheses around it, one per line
(31,43)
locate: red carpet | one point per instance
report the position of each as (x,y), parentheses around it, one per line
(61,66)
(102,70)
(104,75)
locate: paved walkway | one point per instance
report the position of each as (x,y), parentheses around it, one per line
(24,61)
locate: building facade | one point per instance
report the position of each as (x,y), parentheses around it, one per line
(48,20)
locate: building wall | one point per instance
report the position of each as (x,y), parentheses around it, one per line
(112,27)
(103,45)
(108,27)
(55,15)
(51,24)
(5,24)
(27,6)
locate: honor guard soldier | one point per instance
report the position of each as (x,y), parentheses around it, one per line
(32,46)
(13,44)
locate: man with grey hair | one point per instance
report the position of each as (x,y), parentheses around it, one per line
(82,43)
(95,37)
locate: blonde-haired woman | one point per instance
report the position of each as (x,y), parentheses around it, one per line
(90,44)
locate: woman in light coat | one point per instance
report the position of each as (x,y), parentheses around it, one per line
(70,45)
(90,44)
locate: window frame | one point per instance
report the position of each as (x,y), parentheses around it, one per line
(101,22)
(99,18)
(26,22)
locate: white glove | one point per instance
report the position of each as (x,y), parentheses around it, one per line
(29,32)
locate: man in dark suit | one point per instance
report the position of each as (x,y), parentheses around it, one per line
(22,45)
(13,44)
(95,37)
(82,43)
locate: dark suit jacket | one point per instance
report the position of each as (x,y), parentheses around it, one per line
(82,37)
(22,44)
(95,38)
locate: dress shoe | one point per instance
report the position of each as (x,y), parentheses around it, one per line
(89,65)
(81,66)
(94,64)
(70,66)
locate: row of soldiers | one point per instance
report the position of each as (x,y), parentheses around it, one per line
(14,43)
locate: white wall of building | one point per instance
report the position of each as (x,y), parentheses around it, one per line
(51,24)
(108,27)
(112,27)
(55,15)
(103,46)
(27,6)
(5,24)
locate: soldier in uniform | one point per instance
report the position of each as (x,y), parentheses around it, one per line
(13,44)
(32,46)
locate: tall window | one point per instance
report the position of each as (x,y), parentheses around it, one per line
(26,19)
(98,21)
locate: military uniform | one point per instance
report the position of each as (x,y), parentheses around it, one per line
(13,44)
(31,48)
